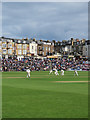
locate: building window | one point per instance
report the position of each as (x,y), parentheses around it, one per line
(24,52)
(53,49)
(9,45)
(19,52)
(4,51)
(24,46)
(9,51)
(19,46)
(49,48)
(4,45)
(32,48)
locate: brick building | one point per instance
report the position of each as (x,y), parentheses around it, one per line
(45,48)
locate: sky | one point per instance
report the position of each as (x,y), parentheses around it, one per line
(48,21)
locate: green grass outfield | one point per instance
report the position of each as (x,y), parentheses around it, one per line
(42,97)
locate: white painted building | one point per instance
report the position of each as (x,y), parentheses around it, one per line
(33,48)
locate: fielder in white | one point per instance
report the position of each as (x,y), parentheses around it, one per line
(75,72)
(51,71)
(56,72)
(28,73)
(62,72)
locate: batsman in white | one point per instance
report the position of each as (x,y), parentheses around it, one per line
(75,72)
(62,72)
(28,73)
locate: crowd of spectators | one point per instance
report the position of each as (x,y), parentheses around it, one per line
(35,64)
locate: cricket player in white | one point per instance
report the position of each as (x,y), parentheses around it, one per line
(75,72)
(51,71)
(28,73)
(62,72)
(56,72)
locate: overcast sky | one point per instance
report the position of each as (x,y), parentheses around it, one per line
(49,21)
